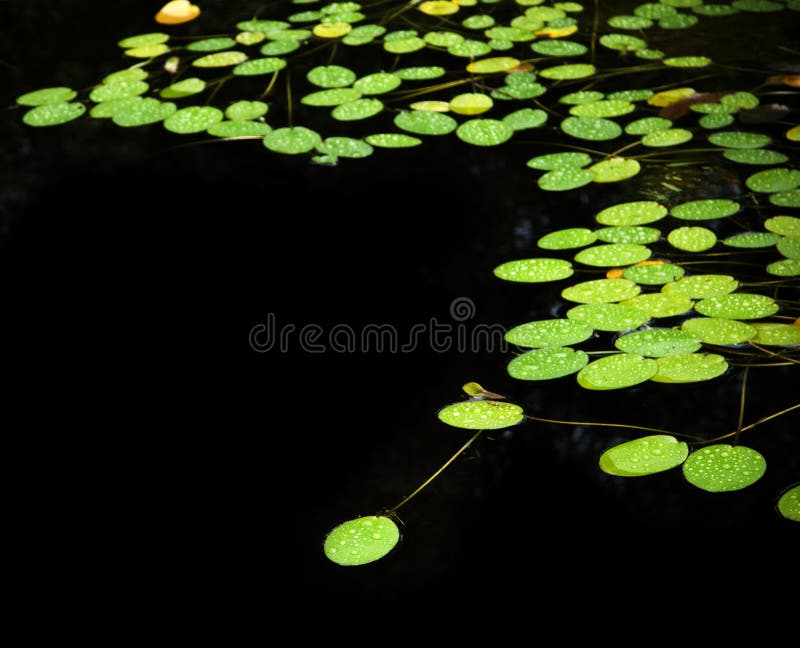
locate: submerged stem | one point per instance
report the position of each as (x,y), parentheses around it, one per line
(741,405)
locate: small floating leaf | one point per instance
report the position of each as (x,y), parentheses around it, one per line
(239,128)
(47,96)
(653,275)
(423,122)
(645,456)
(789,246)
(128,74)
(211,44)
(377,83)
(703,286)
(639,212)
(678,21)
(331,97)
(783,225)
(789,504)
(184,88)
(244,110)
(53,114)
(331,76)
(716,330)
(147,51)
(526,118)
(692,239)
(617,371)
(622,42)
(481,415)
(669,97)
(720,468)
(789,198)
(740,140)
(591,128)
(547,363)
(392,140)
(785,268)
(738,306)
(142,40)
(687,61)
(566,239)
(431,105)
(689,367)
(706,209)
(358,109)
(716,121)
(552,161)
(223,59)
(331,30)
(613,254)
(194,119)
(259,66)
(647,125)
(469,48)
(361,541)
(559,48)
(421,73)
(763,157)
(345,147)
(582,97)
(660,304)
(549,332)
(492,65)
(629,22)
(438,7)
(752,240)
(118,90)
(603,108)
(630,234)
(609,317)
(143,112)
(658,342)
(614,169)
(601,291)
(776,334)
(280,47)
(565,178)
(534,270)
(568,71)
(773,180)
(292,140)
(484,132)
(631,95)
(471,103)
(668,137)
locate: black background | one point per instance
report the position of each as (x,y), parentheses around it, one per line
(158,455)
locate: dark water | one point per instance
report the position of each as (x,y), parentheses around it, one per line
(159,455)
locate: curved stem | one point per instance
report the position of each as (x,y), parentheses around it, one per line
(741,405)
(617,425)
(763,419)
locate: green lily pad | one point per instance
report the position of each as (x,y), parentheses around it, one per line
(481,415)
(361,541)
(141,40)
(568,71)
(757,6)
(184,88)
(128,74)
(760,157)
(636,94)
(567,239)
(702,286)
(617,371)
(420,73)
(239,128)
(53,114)
(613,254)
(331,76)
(280,47)
(706,209)
(658,342)
(648,125)
(603,108)
(582,97)
(645,456)
(629,22)
(638,212)
(471,103)
(789,246)
(331,97)
(630,234)
(687,61)
(289,34)
(358,109)
(785,268)
(789,504)
(478,21)
(264,26)
(601,291)
(548,333)
(220,59)
(484,132)
(345,147)
(692,239)
(720,331)
(790,198)
(147,51)
(107,109)
(660,304)
(716,121)
(622,42)
(469,48)
(740,140)
(565,178)
(653,274)
(194,119)
(211,44)
(614,169)
(608,317)
(245,110)
(714,10)
(513,34)
(143,112)
(493,65)
(118,90)
(721,468)
(678,21)
(552,161)
(250,38)
(774,180)
(522,91)
(689,367)
(363,34)
(392,140)
(591,128)
(46,96)
(737,306)
(654,10)
(561,48)
(526,118)
(783,225)
(378,83)
(292,140)
(750,240)
(405,45)
(668,137)
(443,38)
(424,122)
(259,66)
(534,270)
(776,334)
(547,363)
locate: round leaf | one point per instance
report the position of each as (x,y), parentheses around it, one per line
(644,456)
(292,140)
(534,270)
(184,88)
(637,212)
(259,66)
(565,178)
(613,254)
(220,59)
(629,234)
(345,147)
(773,180)
(566,239)
(609,317)
(378,83)
(526,118)
(714,330)
(653,274)
(692,239)
(244,110)
(789,504)
(740,140)
(361,541)
(706,209)
(547,363)
(702,286)
(660,304)
(143,112)
(568,71)
(668,137)
(484,132)
(421,122)
(194,119)
(331,76)
(601,291)
(392,140)
(658,342)
(239,128)
(550,332)
(358,109)
(617,371)
(738,306)
(783,225)
(750,240)
(481,415)
(47,96)
(776,334)
(552,161)
(614,169)
(785,268)
(53,114)
(591,128)
(721,467)
(689,367)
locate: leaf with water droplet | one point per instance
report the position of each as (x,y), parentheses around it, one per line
(565,178)
(568,71)
(718,330)
(239,128)
(223,59)
(184,88)
(774,180)
(658,342)
(692,239)
(331,76)
(481,415)
(591,128)
(789,504)
(259,66)
(638,212)
(552,161)
(194,119)
(752,240)
(563,48)
(614,169)
(668,137)
(653,274)
(738,306)
(53,114)
(660,304)
(609,317)
(705,209)
(142,112)
(292,140)
(392,140)
(689,367)
(644,456)
(702,286)
(617,371)
(613,254)
(345,147)
(45,96)
(526,118)
(549,332)
(356,110)
(573,237)
(361,541)
(601,291)
(422,122)
(534,270)
(547,363)
(721,467)
(484,132)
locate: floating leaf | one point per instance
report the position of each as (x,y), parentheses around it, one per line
(421,73)
(629,234)
(143,112)
(752,240)
(721,468)
(292,140)
(128,74)
(250,38)
(660,304)
(785,268)
(687,61)
(774,180)
(608,317)
(703,286)
(653,275)
(565,178)
(431,105)
(492,65)
(776,334)
(629,22)
(706,209)
(423,122)
(737,306)
(481,415)
(331,30)
(603,108)
(143,40)
(484,132)
(184,88)
(639,212)
(211,44)
(177,12)
(108,109)
(617,371)
(689,367)
(392,140)
(118,90)
(569,71)
(614,169)
(345,147)
(559,48)
(645,456)
(622,42)
(478,21)
(601,291)
(53,114)
(757,6)
(717,121)
(549,332)
(226,59)
(405,45)
(613,254)
(194,119)
(783,225)
(361,541)
(45,96)
(789,246)
(239,128)
(525,118)
(280,47)
(378,83)
(331,97)
(547,363)
(331,76)
(534,270)
(358,109)
(631,95)
(591,128)
(692,239)
(714,10)
(552,161)
(471,103)
(147,51)
(438,7)
(260,66)
(790,198)
(678,21)
(763,157)
(443,38)
(566,239)
(647,125)
(244,110)
(469,48)
(263,26)
(581,97)
(668,137)
(740,140)
(789,504)
(721,331)
(658,342)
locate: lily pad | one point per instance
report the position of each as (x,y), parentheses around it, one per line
(613,254)
(107,109)
(292,140)
(581,97)
(562,48)
(706,209)
(617,371)
(717,121)
(789,504)
(566,239)
(377,83)
(785,268)
(118,90)
(184,88)
(330,97)
(622,42)
(220,59)
(601,291)
(492,65)
(774,180)
(405,45)
(789,246)
(469,48)
(565,178)
(211,44)
(660,304)
(471,103)
(636,94)
(751,240)
(141,40)
(568,71)
(331,76)
(53,114)
(443,38)
(280,47)
(420,73)
(658,342)
(421,122)
(687,61)
(549,333)
(552,161)
(143,112)
(257,67)
(740,140)
(668,137)
(438,7)
(603,108)
(526,118)
(481,415)
(629,234)
(692,239)
(194,119)
(760,157)
(738,306)
(392,140)
(702,286)
(720,331)
(361,541)
(239,128)
(244,110)
(648,125)
(629,22)
(345,147)
(484,132)
(653,274)
(547,363)
(689,367)
(639,212)
(776,334)
(45,96)
(358,109)
(783,225)
(721,468)
(608,317)
(534,270)
(591,128)
(645,456)
(614,169)
(790,198)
